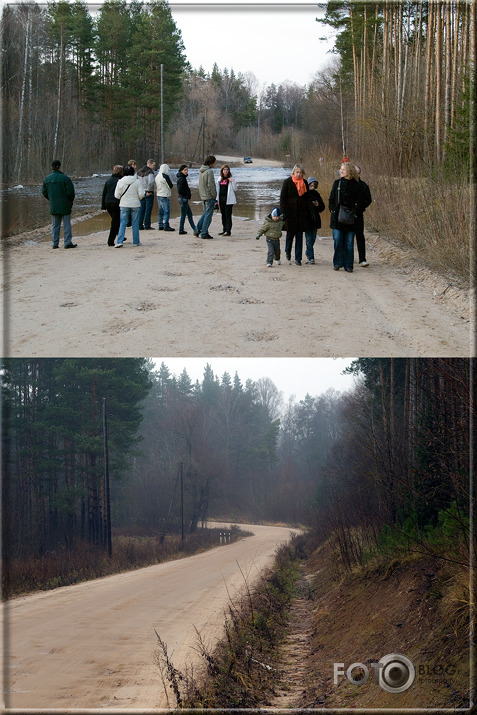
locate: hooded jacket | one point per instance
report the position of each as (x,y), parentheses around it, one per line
(272,229)
(129,192)
(146,178)
(183,189)
(163,181)
(207,187)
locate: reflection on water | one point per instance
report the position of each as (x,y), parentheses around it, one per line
(25,209)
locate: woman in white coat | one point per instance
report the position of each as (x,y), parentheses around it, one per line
(226,188)
(129,192)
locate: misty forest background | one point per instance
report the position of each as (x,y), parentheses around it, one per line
(396,96)
(384,465)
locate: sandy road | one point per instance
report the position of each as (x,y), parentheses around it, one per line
(183,296)
(92,645)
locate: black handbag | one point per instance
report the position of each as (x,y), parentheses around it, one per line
(346,215)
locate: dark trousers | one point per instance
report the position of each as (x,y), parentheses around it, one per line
(226,211)
(360,241)
(298,236)
(273,249)
(113,211)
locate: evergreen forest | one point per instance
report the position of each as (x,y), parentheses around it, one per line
(387,462)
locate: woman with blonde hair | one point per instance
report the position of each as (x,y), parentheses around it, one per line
(345,202)
(294,204)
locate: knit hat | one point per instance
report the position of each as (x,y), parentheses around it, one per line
(275,212)
(55,164)
(312,179)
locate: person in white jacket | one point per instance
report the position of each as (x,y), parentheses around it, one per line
(226,188)
(129,192)
(164,189)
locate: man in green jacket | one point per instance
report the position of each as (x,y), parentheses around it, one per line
(60,192)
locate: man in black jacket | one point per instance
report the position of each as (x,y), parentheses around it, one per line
(184,195)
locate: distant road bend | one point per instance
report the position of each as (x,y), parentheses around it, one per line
(92,645)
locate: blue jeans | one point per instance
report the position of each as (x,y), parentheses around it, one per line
(164,203)
(206,218)
(310,238)
(145,211)
(55,229)
(185,212)
(129,214)
(344,249)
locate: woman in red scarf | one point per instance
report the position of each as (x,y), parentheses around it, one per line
(295,205)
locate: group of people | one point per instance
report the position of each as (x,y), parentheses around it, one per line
(299,213)
(128,196)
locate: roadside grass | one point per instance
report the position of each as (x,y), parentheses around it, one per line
(83,562)
(241,670)
(431,214)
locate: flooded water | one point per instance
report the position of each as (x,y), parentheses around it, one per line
(24,209)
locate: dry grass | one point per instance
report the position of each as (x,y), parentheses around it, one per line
(85,561)
(430,214)
(240,672)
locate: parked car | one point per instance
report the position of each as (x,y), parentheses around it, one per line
(247,160)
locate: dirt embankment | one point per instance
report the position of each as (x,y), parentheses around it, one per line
(388,609)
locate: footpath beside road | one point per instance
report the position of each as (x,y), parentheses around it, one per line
(185,296)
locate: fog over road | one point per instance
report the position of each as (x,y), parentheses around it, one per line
(92,645)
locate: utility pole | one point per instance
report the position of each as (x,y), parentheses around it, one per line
(106,482)
(182,504)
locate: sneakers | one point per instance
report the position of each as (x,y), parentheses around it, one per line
(137,244)
(207,235)
(118,245)
(364,263)
(169,228)
(279,263)
(182,233)
(160,228)
(348,270)
(71,245)
(196,233)
(336,268)
(297,263)
(269,265)
(55,246)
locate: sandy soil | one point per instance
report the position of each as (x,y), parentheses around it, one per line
(185,296)
(93,645)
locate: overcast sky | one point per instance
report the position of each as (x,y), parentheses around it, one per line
(276,42)
(292,376)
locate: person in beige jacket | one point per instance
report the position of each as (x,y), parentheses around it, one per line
(208,195)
